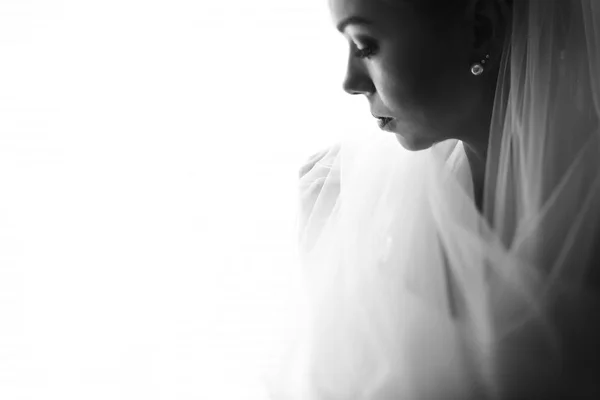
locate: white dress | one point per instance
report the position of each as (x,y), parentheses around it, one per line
(383,323)
(409,297)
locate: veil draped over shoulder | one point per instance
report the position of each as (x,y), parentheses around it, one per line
(416,294)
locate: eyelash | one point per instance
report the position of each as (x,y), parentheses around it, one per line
(366,52)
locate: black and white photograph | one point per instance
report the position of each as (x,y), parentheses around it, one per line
(300,200)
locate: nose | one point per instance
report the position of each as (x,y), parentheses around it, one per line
(357,80)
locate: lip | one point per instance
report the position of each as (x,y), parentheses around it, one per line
(384,122)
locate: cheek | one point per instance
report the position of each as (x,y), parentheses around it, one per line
(409,70)
(399,80)
(425,77)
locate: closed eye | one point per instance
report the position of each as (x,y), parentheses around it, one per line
(368,50)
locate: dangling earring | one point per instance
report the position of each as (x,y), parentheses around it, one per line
(478,68)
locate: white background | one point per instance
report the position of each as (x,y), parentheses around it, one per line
(149,153)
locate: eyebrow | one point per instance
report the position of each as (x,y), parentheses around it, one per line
(352,20)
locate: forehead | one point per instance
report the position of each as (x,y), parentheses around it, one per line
(376,11)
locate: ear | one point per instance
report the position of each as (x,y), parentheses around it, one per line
(489,19)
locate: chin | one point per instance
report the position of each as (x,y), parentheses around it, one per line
(413,143)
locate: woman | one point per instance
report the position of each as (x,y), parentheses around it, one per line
(466,267)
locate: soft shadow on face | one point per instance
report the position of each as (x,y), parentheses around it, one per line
(413,67)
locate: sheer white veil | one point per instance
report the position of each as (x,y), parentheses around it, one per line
(415,294)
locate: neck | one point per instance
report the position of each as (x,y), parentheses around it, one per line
(476,144)
(477,156)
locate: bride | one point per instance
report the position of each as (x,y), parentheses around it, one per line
(453,256)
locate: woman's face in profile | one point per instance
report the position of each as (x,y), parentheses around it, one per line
(412,67)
